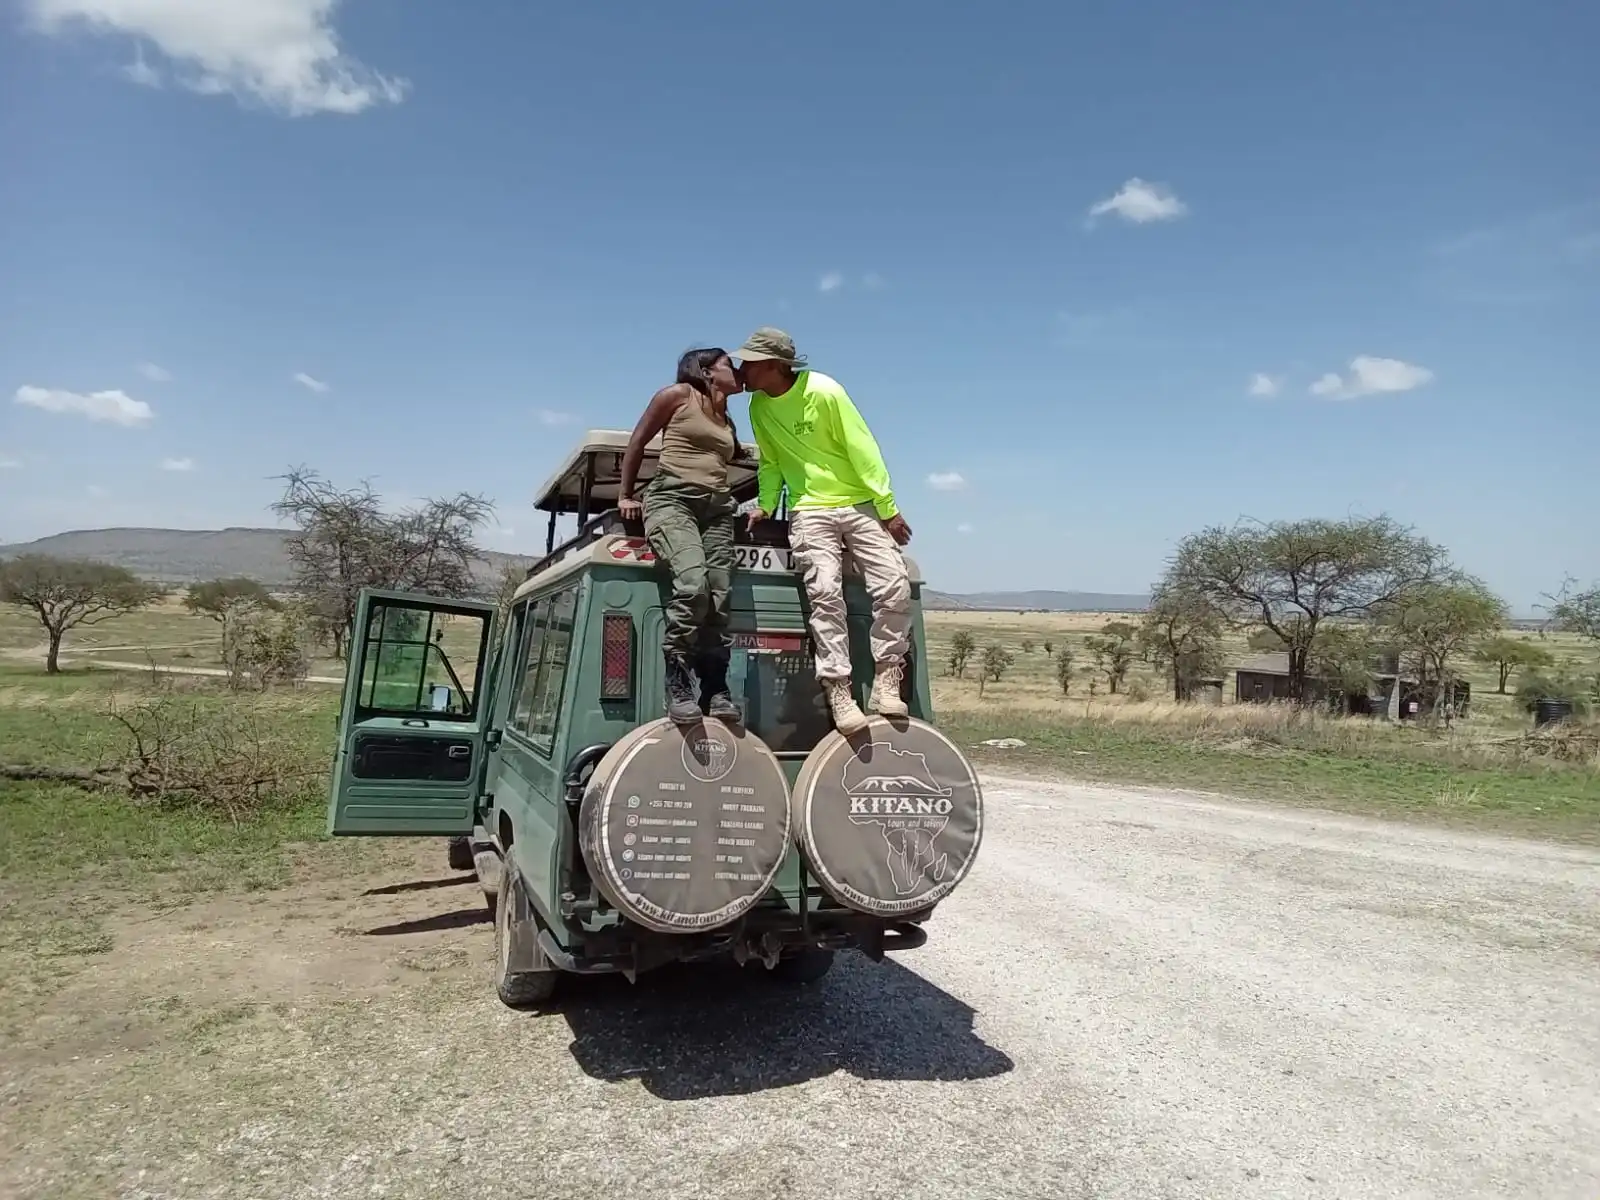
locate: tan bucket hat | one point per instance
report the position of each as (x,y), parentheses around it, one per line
(770,345)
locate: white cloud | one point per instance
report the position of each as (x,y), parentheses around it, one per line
(947,481)
(115,406)
(311,382)
(831,282)
(1371,376)
(154,373)
(177,464)
(10,464)
(1141,202)
(552,418)
(964,527)
(283,54)
(1263,385)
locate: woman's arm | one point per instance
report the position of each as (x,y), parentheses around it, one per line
(654,419)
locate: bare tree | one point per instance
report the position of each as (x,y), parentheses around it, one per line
(1577,611)
(66,593)
(1291,576)
(1182,634)
(345,541)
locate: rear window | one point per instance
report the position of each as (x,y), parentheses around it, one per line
(772,678)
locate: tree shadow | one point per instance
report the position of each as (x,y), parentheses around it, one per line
(461,919)
(692,1031)
(419,885)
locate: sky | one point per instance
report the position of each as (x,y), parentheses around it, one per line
(1097,275)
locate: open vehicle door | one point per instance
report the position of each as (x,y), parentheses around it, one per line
(411,727)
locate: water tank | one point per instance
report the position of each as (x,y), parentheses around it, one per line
(1550,712)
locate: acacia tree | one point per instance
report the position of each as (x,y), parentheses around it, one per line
(1439,621)
(1291,576)
(962,644)
(224,600)
(65,593)
(1113,651)
(1577,611)
(1181,633)
(995,661)
(344,541)
(1507,655)
(1064,670)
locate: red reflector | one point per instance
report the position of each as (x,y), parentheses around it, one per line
(616,656)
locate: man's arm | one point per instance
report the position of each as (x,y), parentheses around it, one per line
(769,476)
(862,450)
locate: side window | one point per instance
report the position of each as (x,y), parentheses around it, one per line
(557,647)
(532,633)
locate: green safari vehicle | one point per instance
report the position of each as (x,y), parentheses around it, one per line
(608,840)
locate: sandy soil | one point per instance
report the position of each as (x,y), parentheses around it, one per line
(1136,994)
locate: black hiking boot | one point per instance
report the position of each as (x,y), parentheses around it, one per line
(681,706)
(714,689)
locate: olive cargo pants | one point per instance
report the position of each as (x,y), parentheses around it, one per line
(818,537)
(691,532)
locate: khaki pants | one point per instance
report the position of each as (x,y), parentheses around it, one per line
(819,538)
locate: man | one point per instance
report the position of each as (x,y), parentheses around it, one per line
(814,442)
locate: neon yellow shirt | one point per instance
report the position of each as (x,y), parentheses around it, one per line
(814,441)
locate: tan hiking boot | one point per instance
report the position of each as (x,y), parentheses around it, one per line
(847,716)
(885,696)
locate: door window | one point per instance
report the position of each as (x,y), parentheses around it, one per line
(420,662)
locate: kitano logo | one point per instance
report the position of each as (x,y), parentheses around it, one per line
(708,754)
(895,790)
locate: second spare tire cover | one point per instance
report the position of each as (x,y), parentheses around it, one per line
(683,829)
(889,819)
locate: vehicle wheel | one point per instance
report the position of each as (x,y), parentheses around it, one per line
(804,966)
(522,989)
(459,855)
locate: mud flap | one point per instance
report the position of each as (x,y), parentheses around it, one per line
(890,819)
(522,930)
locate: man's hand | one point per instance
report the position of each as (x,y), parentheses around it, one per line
(631,510)
(898,529)
(753,518)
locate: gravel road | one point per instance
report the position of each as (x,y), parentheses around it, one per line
(1134,995)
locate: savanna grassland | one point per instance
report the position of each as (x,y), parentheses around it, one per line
(1484,770)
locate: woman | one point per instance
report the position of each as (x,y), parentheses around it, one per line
(688,515)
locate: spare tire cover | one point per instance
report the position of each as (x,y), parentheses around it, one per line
(890,819)
(684,828)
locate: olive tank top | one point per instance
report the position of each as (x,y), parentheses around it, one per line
(696,446)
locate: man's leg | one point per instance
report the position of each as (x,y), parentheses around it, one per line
(814,536)
(674,533)
(716,642)
(883,569)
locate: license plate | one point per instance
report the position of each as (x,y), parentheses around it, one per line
(762,558)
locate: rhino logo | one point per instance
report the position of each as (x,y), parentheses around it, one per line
(895,790)
(708,753)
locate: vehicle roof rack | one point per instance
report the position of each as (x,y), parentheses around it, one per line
(589,478)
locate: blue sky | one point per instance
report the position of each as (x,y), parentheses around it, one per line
(1098,275)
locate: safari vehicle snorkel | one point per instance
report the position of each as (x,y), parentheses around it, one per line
(606,838)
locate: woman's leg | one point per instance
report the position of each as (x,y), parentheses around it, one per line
(673,528)
(716,641)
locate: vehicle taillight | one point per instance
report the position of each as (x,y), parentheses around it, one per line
(616,656)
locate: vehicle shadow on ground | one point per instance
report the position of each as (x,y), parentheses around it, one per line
(691,1032)
(434,923)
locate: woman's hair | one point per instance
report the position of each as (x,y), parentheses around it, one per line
(694,369)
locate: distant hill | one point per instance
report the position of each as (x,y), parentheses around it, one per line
(1051,601)
(189,555)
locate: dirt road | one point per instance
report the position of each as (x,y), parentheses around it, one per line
(1135,995)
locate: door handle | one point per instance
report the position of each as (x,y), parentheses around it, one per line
(459,751)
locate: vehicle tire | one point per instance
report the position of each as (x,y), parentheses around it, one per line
(804,966)
(521,989)
(459,854)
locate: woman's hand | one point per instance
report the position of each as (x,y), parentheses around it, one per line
(631,510)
